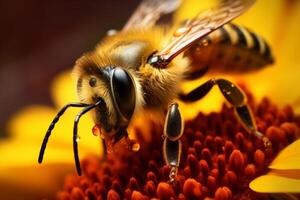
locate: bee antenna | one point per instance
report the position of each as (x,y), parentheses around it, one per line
(52,125)
(75,135)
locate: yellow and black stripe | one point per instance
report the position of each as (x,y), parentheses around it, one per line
(230,49)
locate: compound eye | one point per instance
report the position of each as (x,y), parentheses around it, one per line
(123,92)
(93,82)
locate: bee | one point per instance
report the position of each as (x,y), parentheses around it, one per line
(134,70)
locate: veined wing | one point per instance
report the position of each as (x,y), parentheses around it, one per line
(195,29)
(149,12)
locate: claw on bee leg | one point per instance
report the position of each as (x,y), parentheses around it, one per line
(173,174)
(172,153)
(266,141)
(246,118)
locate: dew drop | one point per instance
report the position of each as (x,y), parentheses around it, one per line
(135,146)
(96,130)
(77,139)
(181,31)
(102,136)
(112,32)
(204,43)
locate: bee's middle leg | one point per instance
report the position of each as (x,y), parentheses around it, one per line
(173,130)
(236,97)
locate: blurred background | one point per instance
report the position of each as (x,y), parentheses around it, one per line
(39,39)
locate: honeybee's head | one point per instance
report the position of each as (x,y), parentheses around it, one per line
(113,88)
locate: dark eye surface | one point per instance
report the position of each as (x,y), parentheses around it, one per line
(124,92)
(93,82)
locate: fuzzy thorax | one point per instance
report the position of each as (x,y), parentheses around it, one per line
(155,88)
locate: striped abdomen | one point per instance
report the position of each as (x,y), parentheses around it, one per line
(230,49)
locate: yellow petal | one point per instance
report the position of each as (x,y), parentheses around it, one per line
(190,8)
(31,124)
(20,154)
(32,182)
(63,89)
(28,128)
(288,158)
(279,80)
(263,18)
(288,62)
(255,18)
(275,184)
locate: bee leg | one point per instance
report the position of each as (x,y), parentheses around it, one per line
(198,93)
(236,97)
(245,116)
(173,130)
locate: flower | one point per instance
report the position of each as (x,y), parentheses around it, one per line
(219,159)
(284,174)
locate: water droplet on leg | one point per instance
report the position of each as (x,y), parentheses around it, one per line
(132,144)
(135,146)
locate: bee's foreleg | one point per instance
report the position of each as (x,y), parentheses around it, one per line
(173,130)
(236,97)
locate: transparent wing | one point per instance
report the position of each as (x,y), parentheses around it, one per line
(193,30)
(149,11)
